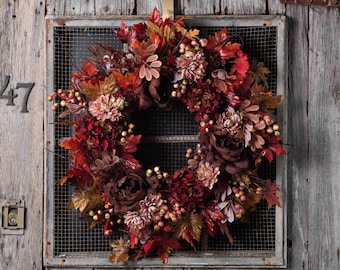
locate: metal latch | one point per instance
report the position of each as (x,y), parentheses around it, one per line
(13,217)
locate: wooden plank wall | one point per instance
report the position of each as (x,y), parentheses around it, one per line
(313,118)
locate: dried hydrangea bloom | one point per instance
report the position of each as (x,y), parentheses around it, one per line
(207,174)
(107,107)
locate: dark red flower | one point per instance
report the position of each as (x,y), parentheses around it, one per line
(125,193)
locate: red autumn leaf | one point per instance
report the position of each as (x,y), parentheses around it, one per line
(75,151)
(155,17)
(229,50)
(268,154)
(241,65)
(277,149)
(145,248)
(133,239)
(273,147)
(71,144)
(163,244)
(89,68)
(270,194)
(218,39)
(154,37)
(130,81)
(123,33)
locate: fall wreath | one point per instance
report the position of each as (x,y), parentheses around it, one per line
(163,63)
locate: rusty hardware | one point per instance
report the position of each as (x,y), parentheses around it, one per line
(13,217)
(325,3)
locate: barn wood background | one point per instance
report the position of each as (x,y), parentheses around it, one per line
(313,118)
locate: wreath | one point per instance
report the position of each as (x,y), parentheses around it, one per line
(163,63)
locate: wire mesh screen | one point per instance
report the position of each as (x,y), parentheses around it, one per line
(167,134)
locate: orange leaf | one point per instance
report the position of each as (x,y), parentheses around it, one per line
(120,251)
(229,50)
(63,180)
(130,81)
(192,33)
(89,68)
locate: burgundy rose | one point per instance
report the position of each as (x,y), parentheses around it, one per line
(225,151)
(125,193)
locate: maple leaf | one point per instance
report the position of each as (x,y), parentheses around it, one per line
(76,151)
(218,40)
(192,33)
(93,91)
(84,201)
(189,228)
(241,65)
(273,147)
(89,68)
(270,194)
(259,72)
(267,100)
(163,243)
(130,81)
(120,251)
(229,50)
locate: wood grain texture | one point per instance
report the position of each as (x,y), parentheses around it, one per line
(276,7)
(22,57)
(298,171)
(243,7)
(89,7)
(145,7)
(187,7)
(324,143)
(313,123)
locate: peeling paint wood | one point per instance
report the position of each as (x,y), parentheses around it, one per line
(22,45)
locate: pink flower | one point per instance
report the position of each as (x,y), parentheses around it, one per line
(107,107)
(150,205)
(207,174)
(134,220)
(229,121)
(190,66)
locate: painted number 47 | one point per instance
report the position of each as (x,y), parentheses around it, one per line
(10,96)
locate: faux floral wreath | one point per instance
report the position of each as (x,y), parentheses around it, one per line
(162,63)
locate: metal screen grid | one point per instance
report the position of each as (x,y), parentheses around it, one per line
(72,235)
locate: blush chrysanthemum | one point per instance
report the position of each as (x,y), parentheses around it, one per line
(107,107)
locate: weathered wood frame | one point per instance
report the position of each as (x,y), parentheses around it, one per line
(233,259)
